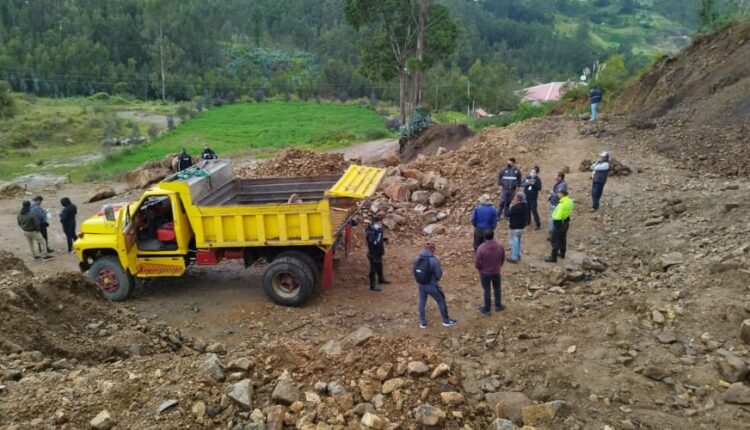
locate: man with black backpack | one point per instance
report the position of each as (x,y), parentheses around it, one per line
(427,272)
(375,251)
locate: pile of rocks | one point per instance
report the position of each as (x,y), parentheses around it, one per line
(296,162)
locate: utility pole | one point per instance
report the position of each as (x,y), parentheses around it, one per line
(468,97)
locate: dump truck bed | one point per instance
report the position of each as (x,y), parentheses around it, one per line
(228,212)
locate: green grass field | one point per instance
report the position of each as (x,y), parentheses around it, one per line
(256,129)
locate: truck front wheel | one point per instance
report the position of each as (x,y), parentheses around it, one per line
(111,278)
(288,281)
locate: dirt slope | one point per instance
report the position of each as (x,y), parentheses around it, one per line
(699,103)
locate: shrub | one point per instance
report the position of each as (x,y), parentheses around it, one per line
(153,131)
(99,96)
(7,102)
(170,122)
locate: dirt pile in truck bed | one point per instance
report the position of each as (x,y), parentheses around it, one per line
(697,103)
(296,162)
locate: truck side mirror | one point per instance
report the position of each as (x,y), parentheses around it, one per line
(109,213)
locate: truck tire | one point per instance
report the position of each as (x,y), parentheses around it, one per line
(288,281)
(305,258)
(111,278)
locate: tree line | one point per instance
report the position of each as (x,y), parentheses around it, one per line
(182,49)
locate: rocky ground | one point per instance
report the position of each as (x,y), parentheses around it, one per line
(640,328)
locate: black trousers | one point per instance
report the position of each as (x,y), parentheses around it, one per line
(491,283)
(560,237)
(534,212)
(70,234)
(376,270)
(478,237)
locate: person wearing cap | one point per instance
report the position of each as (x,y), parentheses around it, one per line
(508,178)
(208,153)
(518,217)
(427,262)
(531,187)
(560,185)
(600,172)
(184,160)
(488,260)
(561,224)
(29,224)
(41,214)
(376,239)
(483,218)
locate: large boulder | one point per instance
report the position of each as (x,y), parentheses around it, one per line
(437,199)
(509,404)
(399,192)
(100,193)
(409,173)
(144,177)
(390,159)
(420,197)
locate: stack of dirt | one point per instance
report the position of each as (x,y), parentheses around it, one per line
(296,162)
(449,137)
(10,190)
(462,176)
(616,168)
(698,103)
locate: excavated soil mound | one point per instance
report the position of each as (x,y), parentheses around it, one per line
(296,162)
(450,137)
(698,102)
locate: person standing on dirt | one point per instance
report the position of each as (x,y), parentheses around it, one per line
(595,97)
(559,186)
(489,260)
(43,216)
(208,154)
(375,250)
(30,226)
(531,187)
(427,272)
(483,218)
(184,160)
(600,172)
(518,220)
(68,221)
(508,179)
(561,222)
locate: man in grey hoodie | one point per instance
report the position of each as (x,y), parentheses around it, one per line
(427,272)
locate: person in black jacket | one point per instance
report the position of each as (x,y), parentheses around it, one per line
(208,153)
(68,221)
(375,250)
(184,160)
(595,96)
(531,187)
(508,179)
(518,220)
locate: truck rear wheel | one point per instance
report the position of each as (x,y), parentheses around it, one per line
(305,258)
(288,281)
(111,278)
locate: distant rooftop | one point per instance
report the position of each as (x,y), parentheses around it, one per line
(545,92)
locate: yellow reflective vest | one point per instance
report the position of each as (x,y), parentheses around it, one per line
(563,209)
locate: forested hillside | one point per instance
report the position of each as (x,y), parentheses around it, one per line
(262,48)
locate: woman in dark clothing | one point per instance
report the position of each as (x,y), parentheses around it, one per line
(518,220)
(68,221)
(531,187)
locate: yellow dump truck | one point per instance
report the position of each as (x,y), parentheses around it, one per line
(205,215)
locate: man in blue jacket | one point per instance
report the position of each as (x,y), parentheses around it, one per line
(427,272)
(483,218)
(595,96)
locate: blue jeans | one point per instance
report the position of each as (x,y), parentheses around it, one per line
(493,282)
(597,189)
(514,239)
(594,111)
(436,293)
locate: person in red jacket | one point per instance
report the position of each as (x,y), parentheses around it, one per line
(488,260)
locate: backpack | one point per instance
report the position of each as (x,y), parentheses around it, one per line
(423,270)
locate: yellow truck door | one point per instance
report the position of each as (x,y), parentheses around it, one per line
(156,240)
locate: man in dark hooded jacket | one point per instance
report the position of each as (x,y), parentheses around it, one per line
(375,250)
(184,160)
(68,221)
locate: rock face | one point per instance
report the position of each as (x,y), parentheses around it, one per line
(540,414)
(509,403)
(100,193)
(737,393)
(428,415)
(242,394)
(731,367)
(285,393)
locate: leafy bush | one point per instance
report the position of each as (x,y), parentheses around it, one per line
(153,131)
(416,124)
(99,96)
